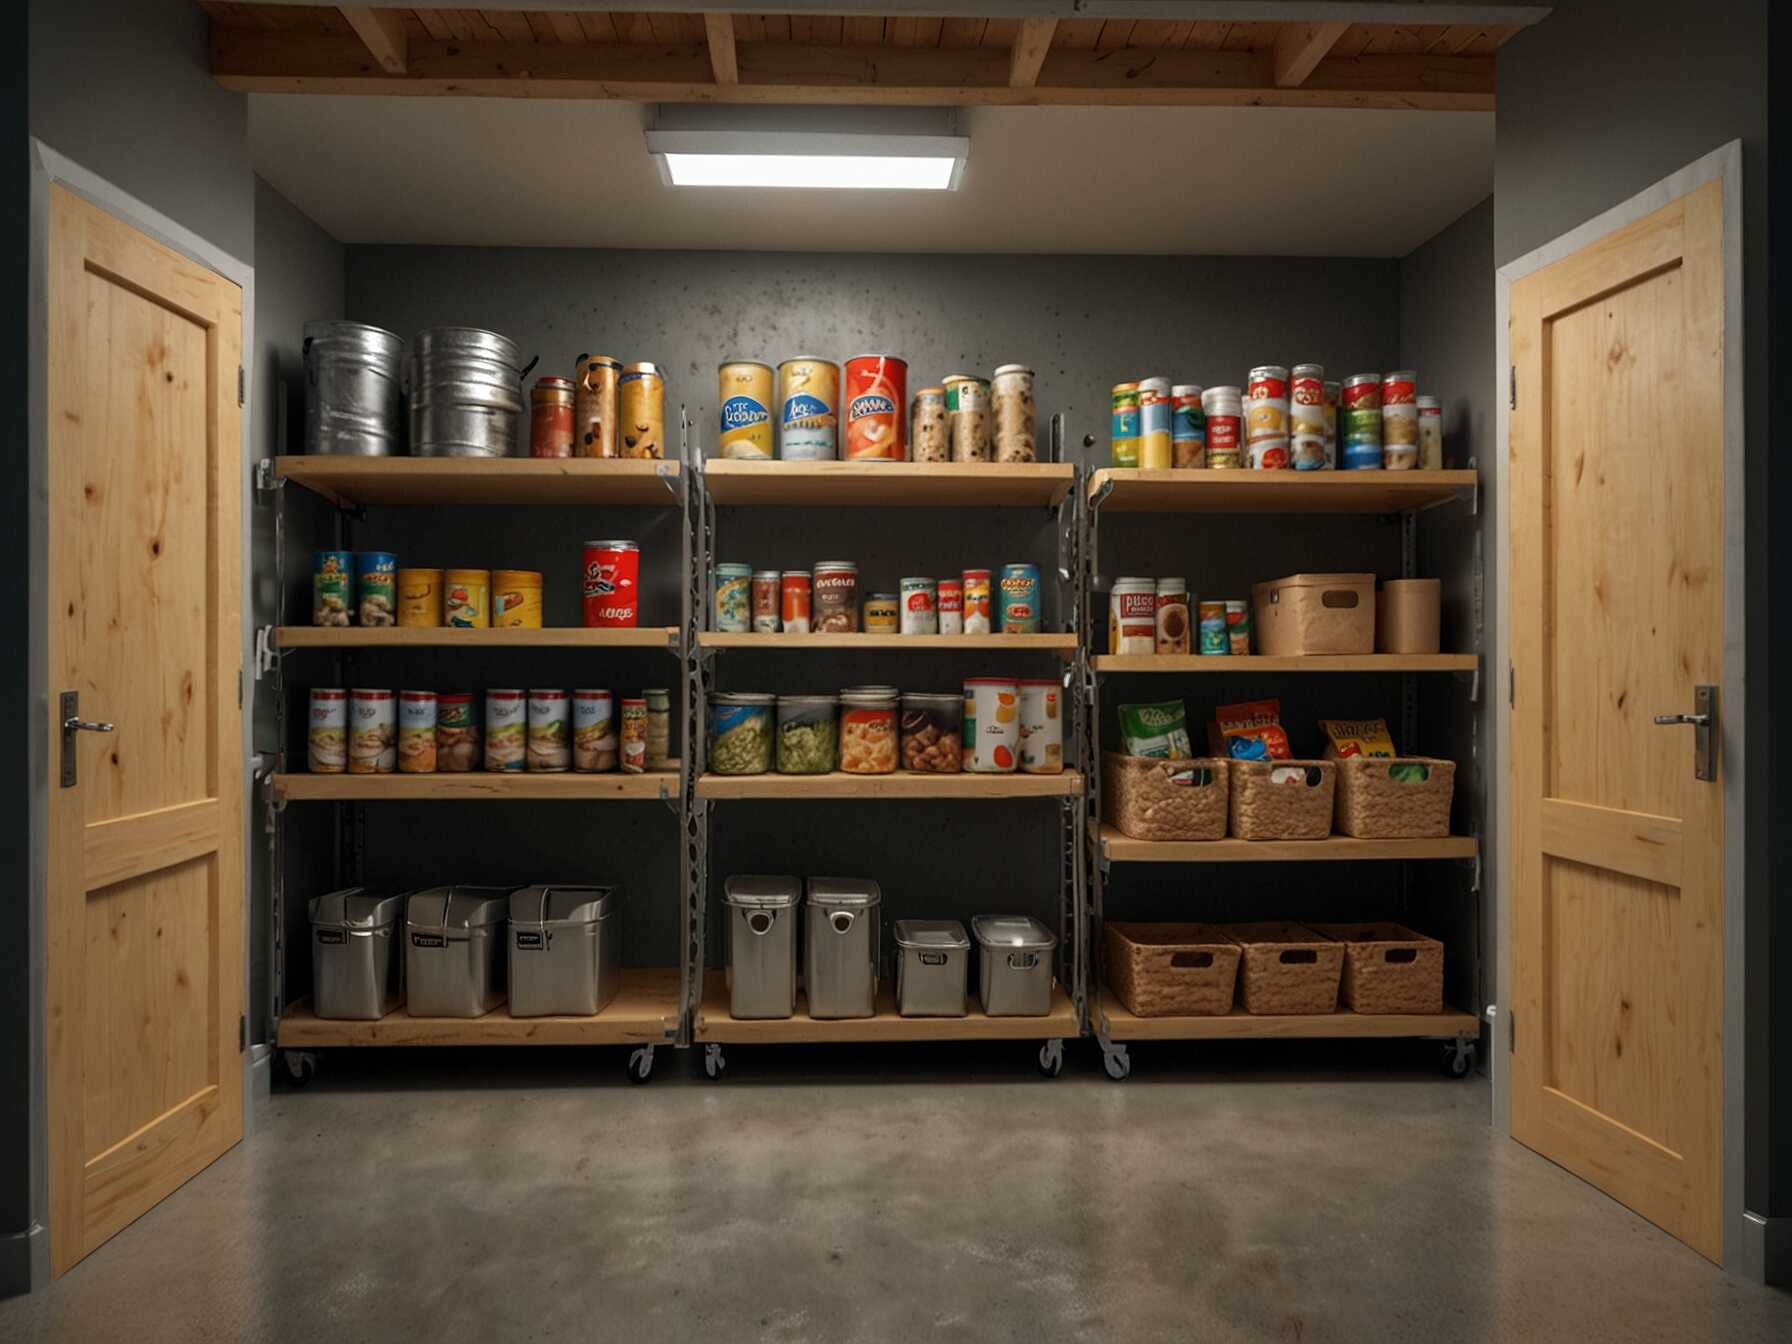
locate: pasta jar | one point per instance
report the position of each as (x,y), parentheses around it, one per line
(991,725)
(740,732)
(1011,398)
(376,587)
(967,417)
(634,736)
(744,390)
(550,731)
(808,737)
(594,739)
(949,597)
(551,404)
(1188,426)
(868,730)
(457,734)
(766,600)
(332,587)
(641,410)
(834,599)
(1132,616)
(1124,437)
(659,728)
(416,732)
(506,724)
(466,598)
(372,732)
(932,733)
(1155,434)
(516,599)
(1019,613)
(929,440)
(420,597)
(793,601)
(876,408)
(881,614)
(733,602)
(1224,409)
(1041,727)
(610,583)
(1171,635)
(1431,434)
(594,406)
(326,740)
(920,607)
(976,602)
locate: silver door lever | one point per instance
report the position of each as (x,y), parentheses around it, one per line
(1703,721)
(1697,720)
(86,726)
(72,723)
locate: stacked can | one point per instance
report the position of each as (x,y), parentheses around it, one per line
(1224,409)
(920,612)
(949,597)
(1306,440)
(793,601)
(744,393)
(594,406)
(876,397)
(1188,427)
(808,409)
(967,418)
(1154,423)
(767,601)
(1333,390)
(641,410)
(929,438)
(1212,628)
(1238,626)
(551,405)
(1125,436)
(1431,434)
(1017,593)
(1011,397)
(975,600)
(1400,420)
(1266,417)
(1362,421)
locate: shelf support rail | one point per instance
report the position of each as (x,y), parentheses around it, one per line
(698,538)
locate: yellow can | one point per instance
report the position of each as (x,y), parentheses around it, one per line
(516,598)
(641,410)
(466,598)
(744,393)
(420,597)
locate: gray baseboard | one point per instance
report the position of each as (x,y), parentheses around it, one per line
(1767,1250)
(24,1260)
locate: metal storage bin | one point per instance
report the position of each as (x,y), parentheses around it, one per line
(842,935)
(762,945)
(1014,972)
(353,403)
(454,951)
(466,393)
(354,958)
(565,950)
(933,957)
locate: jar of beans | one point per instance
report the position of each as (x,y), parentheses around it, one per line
(932,733)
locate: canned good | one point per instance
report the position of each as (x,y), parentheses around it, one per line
(376,587)
(416,732)
(1124,437)
(991,725)
(1154,423)
(1362,392)
(1019,612)
(641,410)
(634,736)
(1362,437)
(466,598)
(949,598)
(1306,439)
(744,396)
(332,587)
(1132,616)
(1266,415)
(372,732)
(929,439)
(1269,454)
(1011,398)
(793,601)
(1238,626)
(611,574)
(420,597)
(550,731)
(834,601)
(868,738)
(808,737)
(883,614)
(326,739)
(1400,437)
(876,407)
(808,409)
(594,739)
(457,734)
(1333,391)
(967,418)
(1041,727)
(1399,389)
(931,732)
(920,613)
(740,733)
(594,406)
(506,730)
(1188,427)
(551,405)
(1214,640)
(734,601)
(766,601)
(1170,633)
(516,599)
(1224,408)
(659,728)
(1431,434)
(976,601)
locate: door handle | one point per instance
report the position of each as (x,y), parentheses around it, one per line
(72,723)
(1703,721)
(1697,720)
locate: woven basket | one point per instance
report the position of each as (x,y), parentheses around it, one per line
(1151,799)
(1286,968)
(1282,800)
(1389,969)
(1394,798)
(1171,970)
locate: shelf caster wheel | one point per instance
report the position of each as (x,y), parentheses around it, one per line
(640,1064)
(1459,1059)
(301,1066)
(1051,1058)
(1117,1063)
(713,1063)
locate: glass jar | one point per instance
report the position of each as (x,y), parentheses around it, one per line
(740,733)
(808,737)
(931,733)
(868,730)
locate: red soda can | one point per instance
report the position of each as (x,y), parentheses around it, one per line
(793,590)
(612,570)
(876,399)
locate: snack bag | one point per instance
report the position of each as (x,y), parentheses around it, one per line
(1251,731)
(1159,731)
(1345,738)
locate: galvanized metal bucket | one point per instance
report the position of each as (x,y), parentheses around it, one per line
(466,393)
(352,395)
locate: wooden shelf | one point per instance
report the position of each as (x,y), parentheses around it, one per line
(899,785)
(644,1012)
(1260,662)
(1203,490)
(1238,1025)
(878,484)
(1064,645)
(485,480)
(1118,848)
(445,637)
(301,787)
(714,1024)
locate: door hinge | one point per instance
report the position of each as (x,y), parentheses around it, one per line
(240,388)
(1511,686)
(1512,387)
(242,1033)
(239,688)
(1511,1031)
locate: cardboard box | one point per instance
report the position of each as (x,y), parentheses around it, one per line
(1316,614)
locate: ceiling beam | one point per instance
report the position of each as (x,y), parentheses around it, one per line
(1031,44)
(1264,11)
(719,30)
(382,32)
(1300,47)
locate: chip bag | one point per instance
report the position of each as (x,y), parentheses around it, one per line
(1159,730)
(1251,731)
(1345,738)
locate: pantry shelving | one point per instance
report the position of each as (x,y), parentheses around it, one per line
(1063,644)
(715,1026)
(1121,1025)
(447,637)
(302,787)
(1114,847)
(1258,662)
(1206,490)
(350,482)
(888,484)
(838,784)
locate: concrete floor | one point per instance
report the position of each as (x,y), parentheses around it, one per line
(1223,1193)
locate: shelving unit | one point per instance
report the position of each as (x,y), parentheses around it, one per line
(1240,1025)
(728,481)
(1204,490)
(838,784)
(715,1026)
(1113,847)
(349,482)
(448,637)
(664,785)
(1062,643)
(1258,662)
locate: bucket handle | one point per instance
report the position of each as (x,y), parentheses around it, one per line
(1022,961)
(759,922)
(841,921)
(527,367)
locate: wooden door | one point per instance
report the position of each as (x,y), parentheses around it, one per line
(1617,476)
(144,971)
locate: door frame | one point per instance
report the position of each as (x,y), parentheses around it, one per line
(51,168)
(1743,1239)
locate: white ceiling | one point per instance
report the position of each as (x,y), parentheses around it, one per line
(1264,181)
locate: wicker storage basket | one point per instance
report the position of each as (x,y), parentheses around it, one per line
(1394,798)
(1282,800)
(1171,970)
(1286,968)
(1389,969)
(1151,799)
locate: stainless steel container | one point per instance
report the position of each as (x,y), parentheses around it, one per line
(565,950)
(1014,971)
(454,951)
(841,938)
(762,945)
(354,957)
(353,402)
(933,958)
(466,393)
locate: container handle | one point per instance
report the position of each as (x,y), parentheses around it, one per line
(1190,960)
(527,367)
(1400,955)
(1022,961)
(1298,956)
(841,921)
(1340,598)
(759,922)
(933,958)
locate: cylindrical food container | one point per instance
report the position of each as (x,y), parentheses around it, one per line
(882,614)
(550,731)
(1214,640)
(353,399)
(1334,392)
(1172,623)
(634,736)
(949,597)
(416,732)
(1124,435)
(326,740)
(1266,417)
(376,587)
(1011,398)
(1188,426)
(466,393)
(1400,388)
(834,600)
(734,598)
(372,732)
(929,439)
(594,406)
(457,734)
(744,395)
(466,598)
(876,408)
(809,409)
(609,586)
(516,599)
(868,730)
(1238,626)
(594,735)
(1400,436)
(1224,408)
(332,587)
(967,418)
(932,733)
(991,725)
(1132,616)
(420,597)
(506,730)
(976,601)
(740,733)
(659,728)
(551,403)
(641,410)
(1431,434)
(1020,613)
(1041,727)
(766,599)
(1362,438)
(793,601)
(920,607)
(808,738)
(1362,392)
(1155,434)
(1306,418)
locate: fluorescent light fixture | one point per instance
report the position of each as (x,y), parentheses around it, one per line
(879,149)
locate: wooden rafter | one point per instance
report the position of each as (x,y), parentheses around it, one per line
(719,32)
(1031,45)
(382,32)
(1300,47)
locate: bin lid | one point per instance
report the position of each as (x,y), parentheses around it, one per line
(457,908)
(354,908)
(937,935)
(1019,932)
(762,893)
(850,893)
(563,903)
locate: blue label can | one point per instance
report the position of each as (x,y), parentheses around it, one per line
(1017,609)
(376,587)
(332,584)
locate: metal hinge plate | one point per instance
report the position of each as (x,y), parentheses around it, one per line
(242,1033)
(1511,1031)
(241,385)
(1511,686)
(1512,387)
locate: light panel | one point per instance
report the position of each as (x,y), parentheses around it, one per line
(814,171)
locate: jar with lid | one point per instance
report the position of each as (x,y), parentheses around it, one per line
(808,739)
(881,616)
(1011,397)
(740,733)
(1132,616)
(868,730)
(1172,616)
(932,729)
